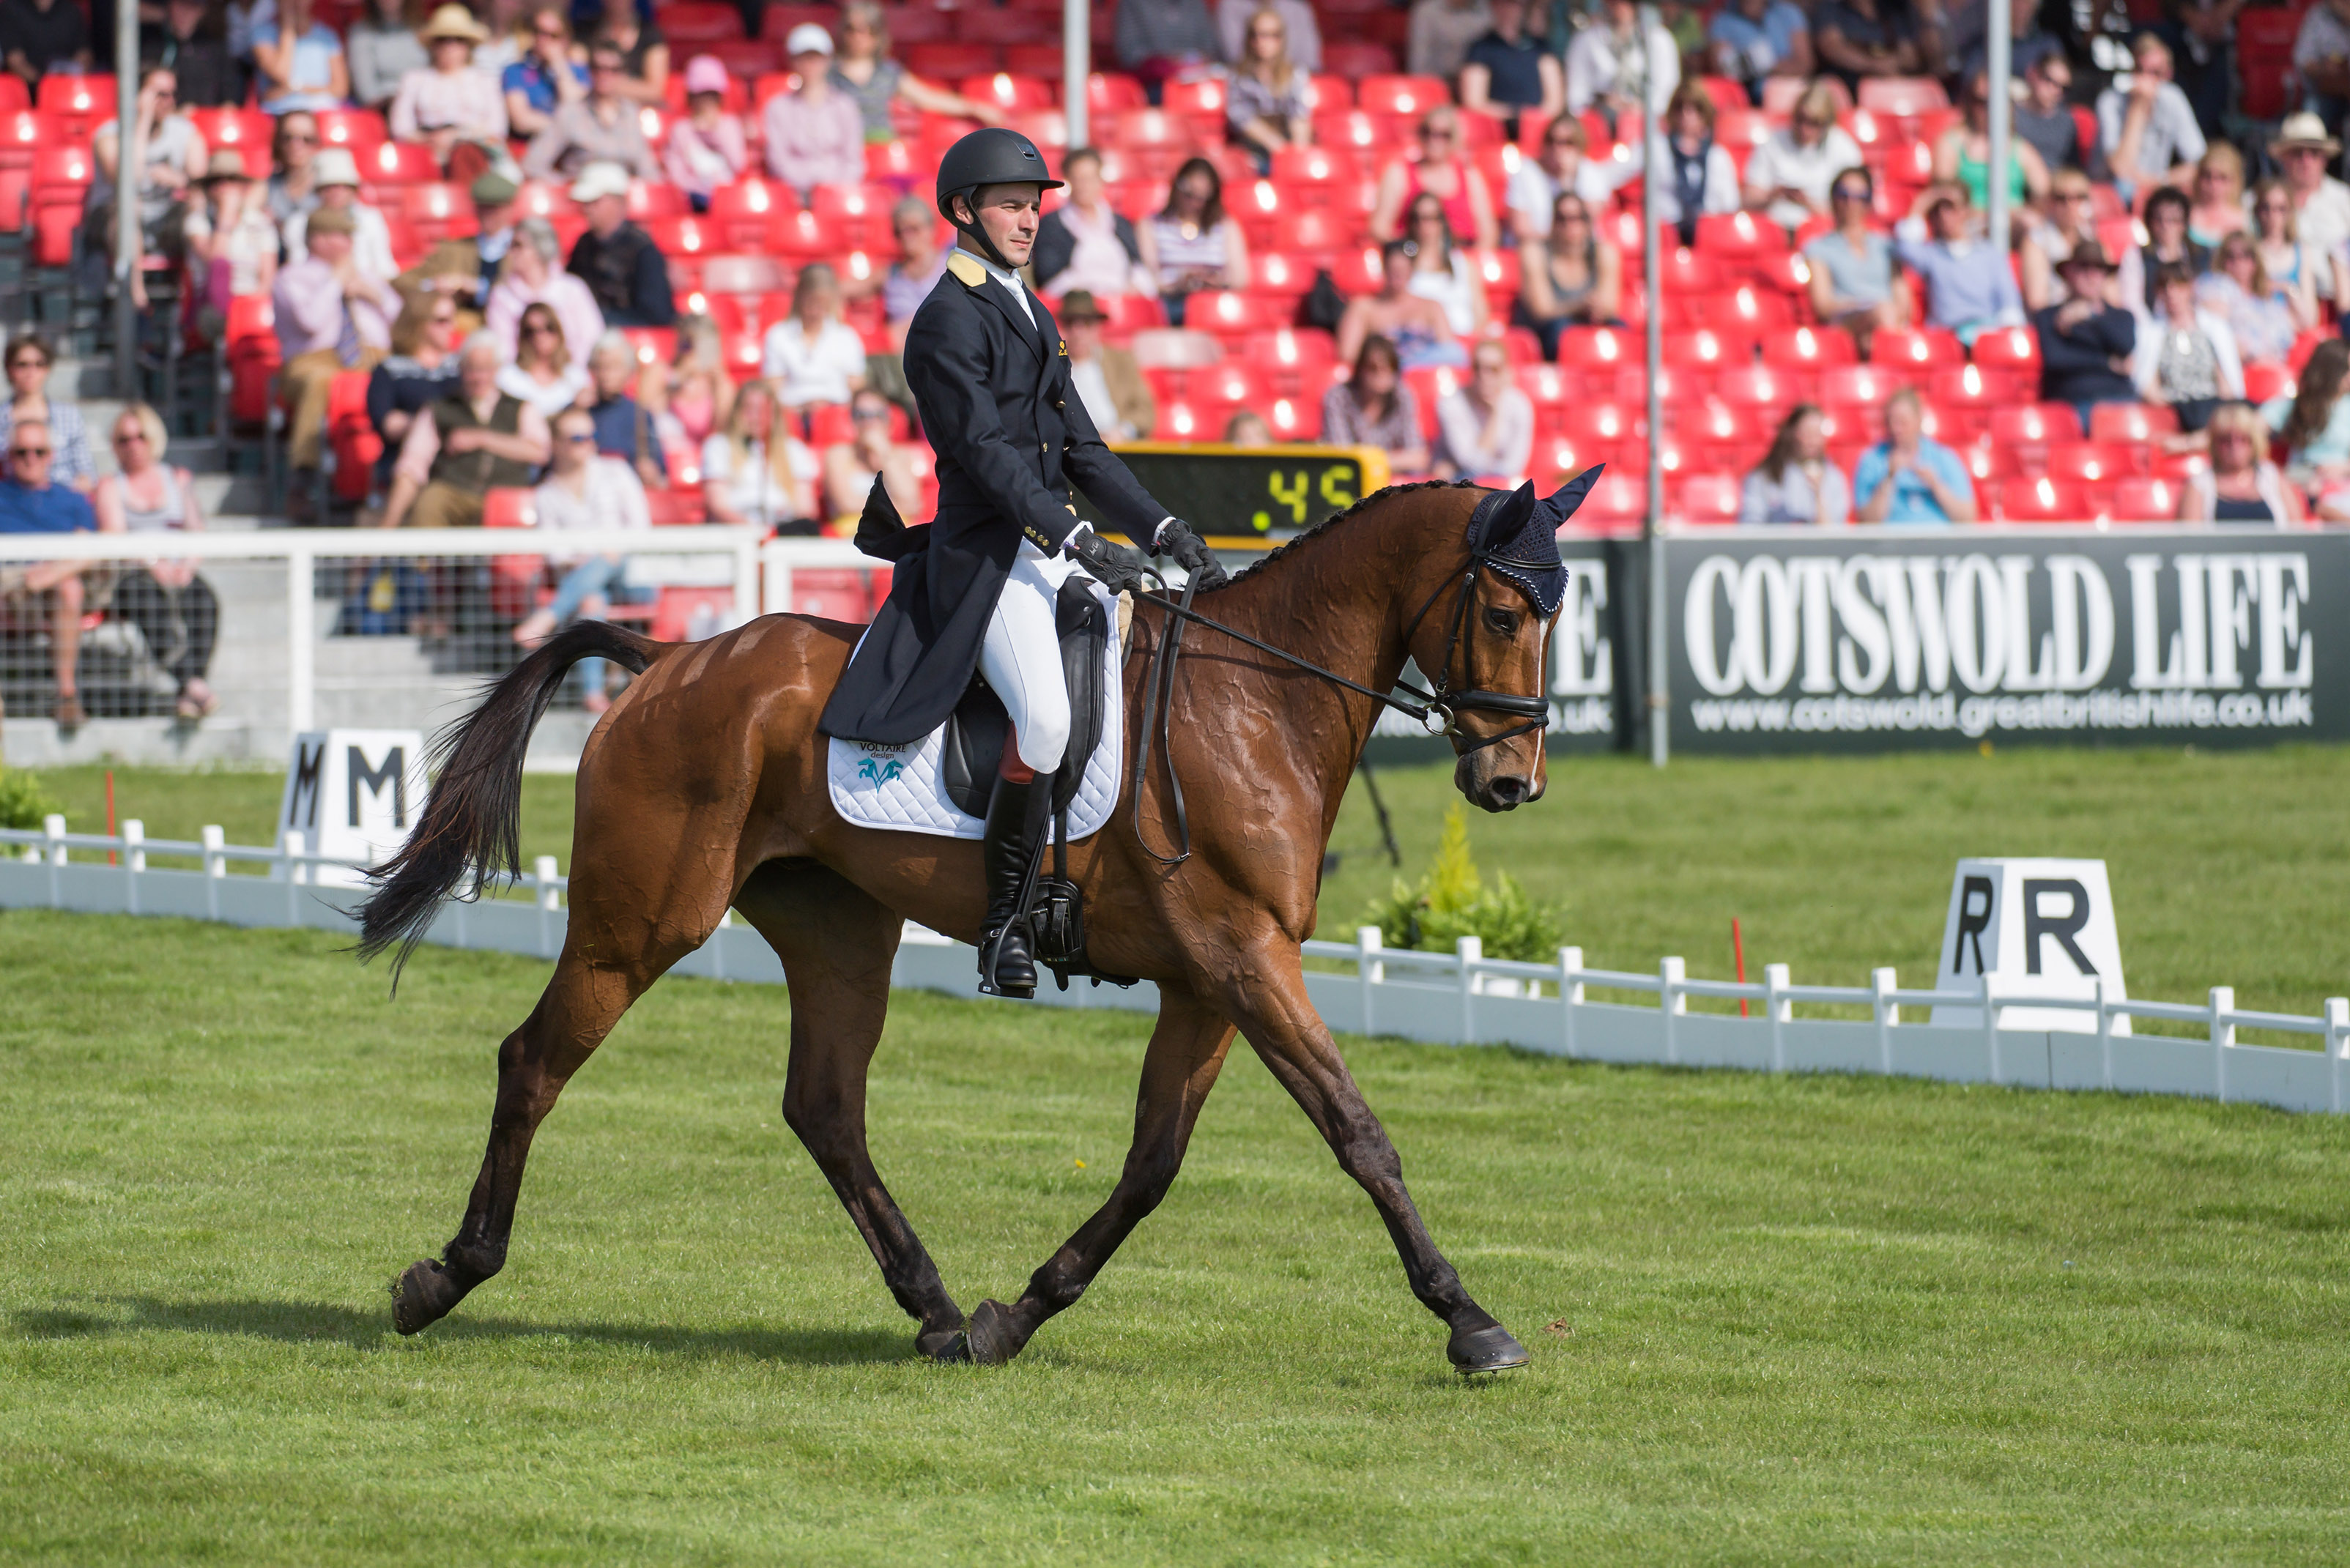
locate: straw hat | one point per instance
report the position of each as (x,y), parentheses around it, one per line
(600,179)
(454,22)
(2088,253)
(1080,305)
(334,166)
(226,163)
(2303,130)
(330,221)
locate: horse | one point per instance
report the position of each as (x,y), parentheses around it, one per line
(704,786)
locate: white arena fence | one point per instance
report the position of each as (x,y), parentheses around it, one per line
(1457,998)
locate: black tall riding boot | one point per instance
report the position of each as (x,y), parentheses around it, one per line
(1016,817)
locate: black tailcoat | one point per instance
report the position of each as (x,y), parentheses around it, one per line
(1012,435)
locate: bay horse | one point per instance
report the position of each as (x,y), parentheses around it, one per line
(704,786)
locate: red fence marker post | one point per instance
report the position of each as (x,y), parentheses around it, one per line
(1738,951)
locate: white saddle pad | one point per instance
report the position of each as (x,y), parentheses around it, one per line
(898,788)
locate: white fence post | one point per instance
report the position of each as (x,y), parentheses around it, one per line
(53,824)
(1672,1004)
(1369,973)
(1471,952)
(134,860)
(290,855)
(2337,1043)
(301,639)
(1882,984)
(215,867)
(2223,1034)
(542,875)
(2104,1034)
(1990,1025)
(1778,1009)
(1570,996)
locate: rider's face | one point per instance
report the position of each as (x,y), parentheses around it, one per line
(1008,215)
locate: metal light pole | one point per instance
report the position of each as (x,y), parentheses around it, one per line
(129,161)
(1652,530)
(2002,105)
(1077,66)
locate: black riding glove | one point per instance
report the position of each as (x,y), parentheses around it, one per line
(1114,567)
(1189,551)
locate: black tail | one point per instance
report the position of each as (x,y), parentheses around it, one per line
(472,822)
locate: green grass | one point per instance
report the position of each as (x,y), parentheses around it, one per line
(1792,1319)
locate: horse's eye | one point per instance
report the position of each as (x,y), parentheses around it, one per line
(1503,622)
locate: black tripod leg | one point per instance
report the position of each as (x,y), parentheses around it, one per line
(1387,828)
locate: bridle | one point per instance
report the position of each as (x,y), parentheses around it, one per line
(1437,711)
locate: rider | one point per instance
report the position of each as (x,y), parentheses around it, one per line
(976,589)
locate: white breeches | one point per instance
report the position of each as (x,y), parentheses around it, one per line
(1021,657)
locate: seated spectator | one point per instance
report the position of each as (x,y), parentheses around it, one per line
(2167,245)
(382,46)
(1441,271)
(602,128)
(1560,166)
(1701,176)
(546,76)
(531,277)
(231,245)
(1962,155)
(453,104)
(336,185)
(330,318)
(1789,176)
(2066,222)
(31,502)
(815,136)
(920,263)
(863,70)
(1198,246)
(851,466)
(584,490)
(467,268)
(2044,117)
(2291,265)
(70,461)
(1750,41)
(299,61)
(507,22)
(176,612)
(1441,172)
(624,428)
(191,43)
(1574,278)
(2261,313)
(1485,429)
(812,355)
(1300,30)
(2321,55)
(1268,103)
(1414,327)
(292,178)
(2086,341)
(1084,243)
(700,392)
(1157,40)
(756,470)
(1966,41)
(420,370)
(706,150)
(2187,359)
(1796,481)
(1511,72)
(1853,283)
(1247,429)
(2219,209)
(2242,486)
(2321,203)
(462,446)
(543,374)
(1969,286)
(2313,424)
(1373,407)
(2148,129)
(616,260)
(1909,477)
(644,54)
(39,36)
(1859,38)
(1441,33)
(1108,380)
(1607,66)
(175,159)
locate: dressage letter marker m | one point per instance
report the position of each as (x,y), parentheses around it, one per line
(352,794)
(2045,928)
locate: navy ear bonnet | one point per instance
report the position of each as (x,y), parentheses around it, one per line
(1517,535)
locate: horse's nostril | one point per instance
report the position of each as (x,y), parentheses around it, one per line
(1507,792)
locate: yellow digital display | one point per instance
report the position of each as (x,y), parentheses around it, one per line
(1251,494)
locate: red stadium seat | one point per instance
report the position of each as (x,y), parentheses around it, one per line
(2042,501)
(1902,97)
(1599,423)
(1857,386)
(652,199)
(1108,94)
(1709,498)
(1009,93)
(2139,499)
(1547,385)
(949,61)
(2140,422)
(897,164)
(1183,420)
(398,163)
(2009,349)
(1619,498)
(1295,420)
(360,129)
(1406,95)
(1230,315)
(1355,61)
(2039,424)
(853,217)
(23,133)
(1807,346)
(1746,312)
(746,209)
(80,104)
(1292,359)
(1735,125)
(2263,380)
(2092,462)
(1276,276)
(1919,348)
(1761,387)
(1686,273)
(1739,234)
(685,236)
(1705,348)
(1605,349)
(1233,381)
(696,21)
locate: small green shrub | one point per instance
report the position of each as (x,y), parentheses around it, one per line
(1452,902)
(22,804)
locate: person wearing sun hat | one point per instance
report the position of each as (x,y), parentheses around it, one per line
(453,104)
(706,149)
(2085,343)
(336,185)
(468,267)
(815,136)
(602,126)
(2321,203)
(1106,378)
(616,260)
(232,243)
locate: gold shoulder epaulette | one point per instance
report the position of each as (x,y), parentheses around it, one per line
(966,266)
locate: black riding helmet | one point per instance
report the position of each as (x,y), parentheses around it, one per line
(991,156)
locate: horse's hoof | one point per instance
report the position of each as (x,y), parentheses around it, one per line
(948,1347)
(988,1335)
(1479,1351)
(423,1296)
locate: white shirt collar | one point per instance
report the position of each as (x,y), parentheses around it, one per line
(1010,280)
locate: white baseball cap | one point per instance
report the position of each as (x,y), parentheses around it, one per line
(600,179)
(808,38)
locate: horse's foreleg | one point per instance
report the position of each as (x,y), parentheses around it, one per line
(1187,1051)
(1269,998)
(837,942)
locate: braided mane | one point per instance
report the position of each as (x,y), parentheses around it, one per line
(1287,546)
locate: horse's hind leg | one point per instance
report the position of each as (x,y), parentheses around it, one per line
(837,943)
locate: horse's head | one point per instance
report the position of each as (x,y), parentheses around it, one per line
(1481,635)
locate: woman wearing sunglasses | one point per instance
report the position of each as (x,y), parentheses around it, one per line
(28,361)
(543,374)
(1443,171)
(175,610)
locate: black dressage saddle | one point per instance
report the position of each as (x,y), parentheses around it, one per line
(975,735)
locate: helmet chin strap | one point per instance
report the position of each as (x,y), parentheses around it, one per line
(976,232)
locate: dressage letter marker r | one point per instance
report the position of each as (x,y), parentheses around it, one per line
(2003,914)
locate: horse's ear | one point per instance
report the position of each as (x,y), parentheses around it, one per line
(1508,518)
(1562,504)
